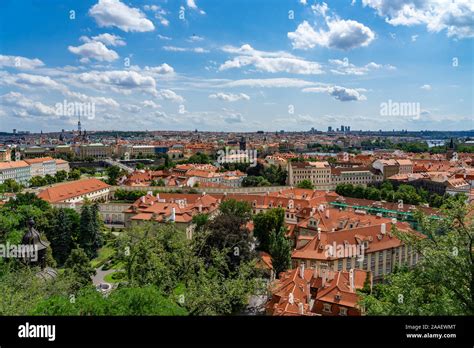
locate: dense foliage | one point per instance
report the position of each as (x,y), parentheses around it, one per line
(442,283)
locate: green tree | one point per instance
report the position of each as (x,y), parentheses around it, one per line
(113,173)
(63,232)
(37,181)
(442,282)
(123,301)
(305,184)
(240,209)
(78,267)
(266,222)
(90,238)
(74,174)
(61,176)
(280,251)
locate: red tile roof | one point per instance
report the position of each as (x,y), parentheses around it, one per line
(69,190)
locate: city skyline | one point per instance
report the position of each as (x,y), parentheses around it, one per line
(246,66)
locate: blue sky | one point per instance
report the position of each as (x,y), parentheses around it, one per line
(236,65)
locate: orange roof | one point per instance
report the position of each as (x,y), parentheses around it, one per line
(13,164)
(338,290)
(69,190)
(38,160)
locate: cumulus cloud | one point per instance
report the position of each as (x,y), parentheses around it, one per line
(24,107)
(106,38)
(341,34)
(162,69)
(426,87)
(455,17)
(29,81)
(339,93)
(271,62)
(19,62)
(122,81)
(229,97)
(113,13)
(168,94)
(94,50)
(103,101)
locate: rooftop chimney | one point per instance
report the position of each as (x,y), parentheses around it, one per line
(300,308)
(302,270)
(200,208)
(351,279)
(327,213)
(383,228)
(173,215)
(291,298)
(319,233)
(157,196)
(143,199)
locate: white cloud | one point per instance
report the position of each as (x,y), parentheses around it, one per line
(414,37)
(426,87)
(24,107)
(340,93)
(235,117)
(37,81)
(19,62)
(341,34)
(94,50)
(122,81)
(106,38)
(159,13)
(272,62)
(29,81)
(192,5)
(168,94)
(162,69)
(344,67)
(113,13)
(163,37)
(195,38)
(185,49)
(229,97)
(269,83)
(456,17)
(104,101)
(150,104)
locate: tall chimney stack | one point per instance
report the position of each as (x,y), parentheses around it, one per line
(173,215)
(351,279)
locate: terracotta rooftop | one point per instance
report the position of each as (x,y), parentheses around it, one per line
(72,189)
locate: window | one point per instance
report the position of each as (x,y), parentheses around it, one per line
(327,307)
(342,311)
